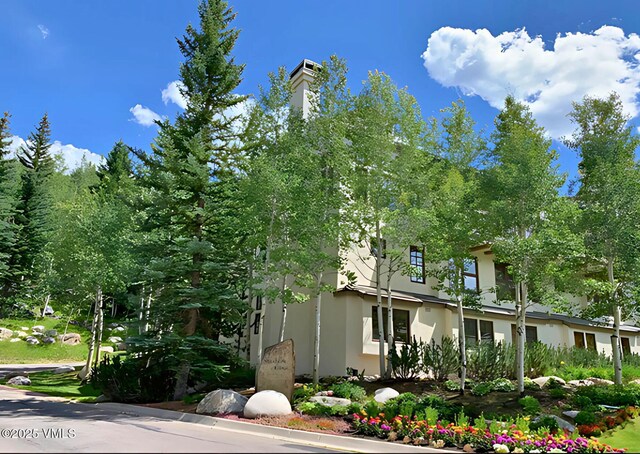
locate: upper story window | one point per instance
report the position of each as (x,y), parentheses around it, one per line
(470,275)
(505,287)
(416,261)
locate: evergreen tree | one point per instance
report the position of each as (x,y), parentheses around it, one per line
(8,206)
(117,169)
(35,200)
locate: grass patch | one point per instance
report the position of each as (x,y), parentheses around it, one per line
(23,353)
(624,437)
(61,385)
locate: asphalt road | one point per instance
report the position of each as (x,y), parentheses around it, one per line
(31,423)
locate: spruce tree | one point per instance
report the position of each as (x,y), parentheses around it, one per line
(117,169)
(8,206)
(35,199)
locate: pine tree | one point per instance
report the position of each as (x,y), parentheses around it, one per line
(35,200)
(8,207)
(117,169)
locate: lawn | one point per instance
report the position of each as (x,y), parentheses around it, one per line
(627,437)
(61,385)
(23,353)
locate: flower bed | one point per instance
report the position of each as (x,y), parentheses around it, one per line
(499,437)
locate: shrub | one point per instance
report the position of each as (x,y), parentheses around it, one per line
(355,407)
(548,422)
(403,405)
(552,383)
(611,394)
(530,405)
(371,408)
(304,392)
(585,417)
(530,384)
(589,430)
(406,364)
(502,385)
(538,359)
(557,393)
(452,385)
(349,390)
(481,389)
(440,360)
(582,402)
(487,361)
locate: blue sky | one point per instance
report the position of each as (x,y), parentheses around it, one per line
(89,63)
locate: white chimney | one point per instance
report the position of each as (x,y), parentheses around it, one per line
(301,79)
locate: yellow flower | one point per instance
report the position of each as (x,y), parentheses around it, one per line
(562,363)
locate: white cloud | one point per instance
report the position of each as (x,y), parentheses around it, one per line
(172,93)
(143,115)
(71,155)
(580,64)
(44,31)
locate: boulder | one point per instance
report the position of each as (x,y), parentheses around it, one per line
(384,394)
(36,334)
(15,339)
(121,347)
(106,349)
(19,380)
(5,333)
(542,381)
(222,401)
(267,403)
(70,338)
(48,310)
(38,329)
(32,340)
(113,325)
(51,333)
(571,413)
(330,401)
(589,382)
(119,329)
(48,340)
(101,398)
(635,382)
(600,381)
(64,369)
(276,371)
(114,339)
(24,328)
(21,334)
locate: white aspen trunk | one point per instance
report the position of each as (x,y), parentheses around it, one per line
(86,370)
(141,312)
(462,338)
(100,326)
(283,320)
(265,299)
(521,335)
(46,303)
(316,339)
(379,300)
(615,337)
(247,325)
(390,332)
(147,313)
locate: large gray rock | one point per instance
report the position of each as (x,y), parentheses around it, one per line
(267,403)
(106,349)
(32,340)
(48,340)
(21,334)
(277,370)
(119,329)
(589,382)
(20,380)
(222,401)
(384,394)
(38,329)
(51,333)
(330,401)
(64,369)
(571,413)
(5,333)
(70,338)
(542,381)
(114,339)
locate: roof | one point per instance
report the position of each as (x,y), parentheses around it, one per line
(419,298)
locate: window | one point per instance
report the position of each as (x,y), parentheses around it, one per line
(626,345)
(530,333)
(477,330)
(471,275)
(401,324)
(505,287)
(585,340)
(256,324)
(258,303)
(416,261)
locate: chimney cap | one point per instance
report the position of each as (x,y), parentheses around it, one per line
(304,64)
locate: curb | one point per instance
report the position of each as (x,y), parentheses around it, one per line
(310,438)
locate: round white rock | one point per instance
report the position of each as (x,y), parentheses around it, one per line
(267,403)
(384,394)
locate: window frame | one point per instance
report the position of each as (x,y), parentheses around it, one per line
(626,349)
(527,330)
(507,279)
(480,333)
(374,324)
(413,255)
(475,275)
(588,340)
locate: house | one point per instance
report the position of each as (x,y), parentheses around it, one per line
(349,325)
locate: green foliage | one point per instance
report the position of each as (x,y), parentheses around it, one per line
(403,405)
(488,361)
(557,393)
(611,394)
(530,405)
(349,390)
(482,389)
(585,417)
(452,385)
(406,363)
(440,359)
(372,408)
(317,409)
(304,392)
(583,402)
(548,422)
(502,385)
